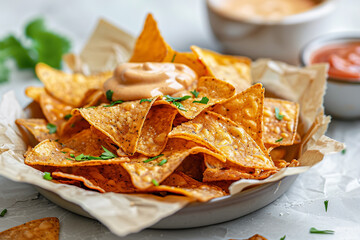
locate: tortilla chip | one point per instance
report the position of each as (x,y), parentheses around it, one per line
(193,166)
(122,122)
(280,132)
(49,153)
(75,124)
(154,133)
(37,127)
(235,70)
(40,229)
(69,88)
(143,171)
(180,183)
(88,184)
(223,136)
(217,91)
(34,92)
(219,171)
(93,97)
(54,110)
(191,60)
(150,45)
(246,109)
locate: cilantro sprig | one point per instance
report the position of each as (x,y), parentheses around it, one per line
(173,58)
(204,100)
(278,115)
(283,238)
(153,158)
(67,116)
(326,203)
(104,156)
(114,103)
(3,212)
(195,93)
(162,162)
(177,101)
(51,127)
(314,230)
(145,100)
(155,182)
(39,45)
(109,94)
(279,140)
(47,176)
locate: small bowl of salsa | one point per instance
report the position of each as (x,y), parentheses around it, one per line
(342,52)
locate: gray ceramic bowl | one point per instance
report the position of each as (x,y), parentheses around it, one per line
(342,95)
(203,214)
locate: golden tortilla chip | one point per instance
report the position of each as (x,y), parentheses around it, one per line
(193,166)
(122,122)
(37,127)
(223,136)
(69,88)
(34,93)
(246,109)
(150,45)
(93,97)
(88,184)
(54,110)
(217,91)
(280,122)
(154,133)
(235,70)
(75,124)
(180,183)
(220,171)
(50,153)
(40,229)
(192,61)
(144,170)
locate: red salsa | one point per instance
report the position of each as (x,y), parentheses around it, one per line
(344,60)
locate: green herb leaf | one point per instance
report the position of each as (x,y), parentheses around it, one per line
(3,212)
(179,106)
(278,115)
(72,155)
(343,151)
(113,103)
(107,154)
(80,157)
(173,58)
(72,125)
(283,238)
(70,159)
(145,100)
(314,230)
(109,94)
(176,99)
(279,140)
(153,158)
(47,176)
(204,100)
(162,162)
(63,152)
(326,203)
(67,116)
(155,182)
(51,127)
(195,93)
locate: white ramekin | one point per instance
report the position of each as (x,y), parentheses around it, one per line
(279,40)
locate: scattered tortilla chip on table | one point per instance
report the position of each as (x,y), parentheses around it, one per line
(40,229)
(37,127)
(69,88)
(235,70)
(280,122)
(225,137)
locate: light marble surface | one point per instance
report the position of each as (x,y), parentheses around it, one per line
(184,23)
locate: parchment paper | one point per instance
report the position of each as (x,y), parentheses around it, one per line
(124,214)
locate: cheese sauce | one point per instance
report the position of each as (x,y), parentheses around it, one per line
(133,81)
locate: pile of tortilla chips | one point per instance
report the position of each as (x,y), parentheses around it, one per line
(189,147)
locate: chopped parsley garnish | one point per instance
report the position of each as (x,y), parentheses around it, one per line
(72,125)
(109,94)
(176,101)
(278,115)
(104,156)
(195,93)
(153,158)
(3,212)
(67,116)
(69,159)
(279,140)
(113,103)
(343,151)
(64,152)
(47,176)
(204,100)
(326,203)
(283,238)
(155,182)
(173,58)
(162,162)
(145,100)
(314,230)
(51,127)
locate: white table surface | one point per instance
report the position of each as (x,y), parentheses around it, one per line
(183,23)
